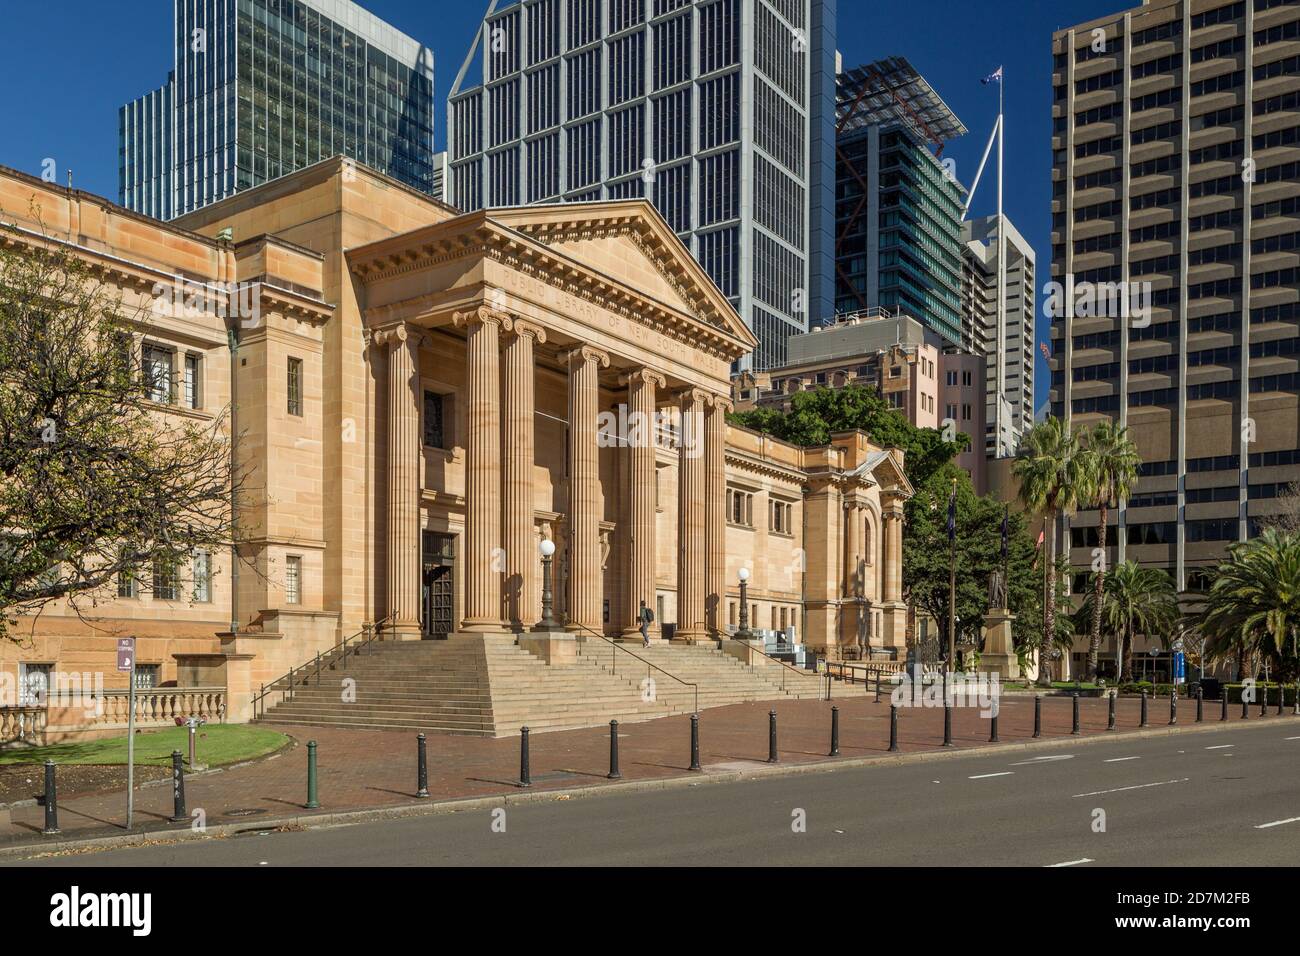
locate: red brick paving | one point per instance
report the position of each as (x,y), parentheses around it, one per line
(371,769)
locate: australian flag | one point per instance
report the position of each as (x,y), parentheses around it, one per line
(952,517)
(994,77)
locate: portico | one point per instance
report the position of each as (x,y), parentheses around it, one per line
(554,315)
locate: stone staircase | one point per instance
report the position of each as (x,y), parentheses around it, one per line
(492,688)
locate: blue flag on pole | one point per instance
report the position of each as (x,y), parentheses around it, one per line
(994,77)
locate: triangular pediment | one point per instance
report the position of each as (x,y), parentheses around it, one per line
(628,242)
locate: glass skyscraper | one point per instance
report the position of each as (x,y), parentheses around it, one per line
(263,87)
(898,209)
(716,111)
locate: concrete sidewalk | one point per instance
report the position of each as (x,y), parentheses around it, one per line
(373,770)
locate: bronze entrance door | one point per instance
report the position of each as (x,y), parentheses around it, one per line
(437,604)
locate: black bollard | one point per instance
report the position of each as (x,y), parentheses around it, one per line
(313,799)
(835,731)
(771,737)
(1280,694)
(1173,705)
(993,727)
(1144,709)
(1038,715)
(695,742)
(525,778)
(51,800)
(422,767)
(1110,712)
(1200,704)
(893,728)
(947,725)
(613,751)
(1245,704)
(1263,702)
(877,700)
(1223,703)
(1074,729)
(178,789)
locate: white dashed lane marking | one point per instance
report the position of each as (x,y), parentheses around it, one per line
(984,776)
(1052,866)
(1120,759)
(1140,786)
(1277,823)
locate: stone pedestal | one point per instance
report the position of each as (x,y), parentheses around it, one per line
(999,653)
(554,647)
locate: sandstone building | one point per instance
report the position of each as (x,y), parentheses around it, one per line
(422,397)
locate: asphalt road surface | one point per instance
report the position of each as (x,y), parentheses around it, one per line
(1230,798)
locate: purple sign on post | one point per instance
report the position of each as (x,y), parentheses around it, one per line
(125,653)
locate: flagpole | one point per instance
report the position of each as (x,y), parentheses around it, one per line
(1000,349)
(952,578)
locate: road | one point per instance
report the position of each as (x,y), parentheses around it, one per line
(1227,798)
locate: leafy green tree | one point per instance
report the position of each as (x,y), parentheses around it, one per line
(1049,469)
(1110,464)
(95,481)
(1135,600)
(1254,601)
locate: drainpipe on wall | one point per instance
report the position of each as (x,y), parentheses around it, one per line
(232,339)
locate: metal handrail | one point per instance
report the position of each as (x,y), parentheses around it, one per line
(613,668)
(803,674)
(286,682)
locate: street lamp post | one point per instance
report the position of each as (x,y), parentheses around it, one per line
(548,622)
(742,633)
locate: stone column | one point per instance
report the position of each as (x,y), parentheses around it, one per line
(640,496)
(691,558)
(855,539)
(715,514)
(522,591)
(893,516)
(405,461)
(482,555)
(586,581)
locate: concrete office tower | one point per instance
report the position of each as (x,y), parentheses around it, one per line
(1176,148)
(898,208)
(263,87)
(1011,414)
(716,111)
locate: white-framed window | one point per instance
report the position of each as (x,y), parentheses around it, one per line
(164,581)
(191,386)
(202,572)
(293,579)
(34,684)
(159,371)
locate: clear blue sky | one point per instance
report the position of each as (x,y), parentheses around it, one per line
(60,101)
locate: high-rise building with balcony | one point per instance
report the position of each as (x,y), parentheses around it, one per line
(1176,246)
(1009,415)
(715,111)
(898,209)
(263,87)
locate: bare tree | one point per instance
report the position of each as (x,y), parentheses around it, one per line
(1287,518)
(97,481)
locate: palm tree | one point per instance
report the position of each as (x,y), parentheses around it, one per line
(1048,468)
(1254,602)
(1110,470)
(1135,600)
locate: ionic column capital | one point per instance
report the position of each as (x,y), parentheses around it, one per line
(721,402)
(395,335)
(647,375)
(482,315)
(523,327)
(691,395)
(583,354)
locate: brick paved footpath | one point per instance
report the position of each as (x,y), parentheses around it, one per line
(361,769)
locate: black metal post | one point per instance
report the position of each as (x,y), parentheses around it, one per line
(695,742)
(1263,701)
(877,700)
(1038,715)
(1173,704)
(1144,709)
(771,737)
(1223,703)
(1074,728)
(1245,704)
(1280,695)
(313,800)
(51,800)
(1110,712)
(422,767)
(1200,704)
(178,789)
(548,622)
(893,728)
(835,731)
(525,778)
(993,728)
(947,725)
(613,751)
(743,633)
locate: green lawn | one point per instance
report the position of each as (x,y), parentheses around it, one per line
(217,744)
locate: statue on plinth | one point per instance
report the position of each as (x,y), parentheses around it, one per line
(997,591)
